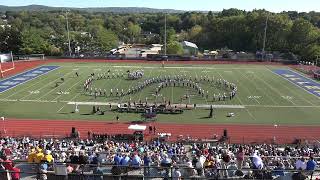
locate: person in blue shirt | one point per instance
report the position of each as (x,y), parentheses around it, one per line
(146,164)
(117,159)
(136,161)
(125,160)
(311,166)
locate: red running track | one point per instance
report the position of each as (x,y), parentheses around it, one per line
(237,133)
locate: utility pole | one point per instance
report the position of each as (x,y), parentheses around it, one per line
(68,33)
(165,35)
(265,36)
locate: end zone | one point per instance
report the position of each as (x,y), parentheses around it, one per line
(297,79)
(24,77)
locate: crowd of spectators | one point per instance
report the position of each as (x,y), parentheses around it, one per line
(160,158)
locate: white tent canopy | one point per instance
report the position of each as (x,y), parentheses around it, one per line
(189,44)
(137,127)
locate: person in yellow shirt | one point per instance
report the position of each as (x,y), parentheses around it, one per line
(39,155)
(32,155)
(47,157)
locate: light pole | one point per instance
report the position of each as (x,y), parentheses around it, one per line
(165,35)
(265,36)
(68,33)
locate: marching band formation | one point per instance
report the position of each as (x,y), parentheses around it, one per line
(163,82)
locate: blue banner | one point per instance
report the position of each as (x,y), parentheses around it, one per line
(24,77)
(305,83)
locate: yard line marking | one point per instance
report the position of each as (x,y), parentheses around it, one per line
(295,85)
(47,85)
(79,81)
(32,84)
(257,87)
(250,114)
(274,89)
(69,100)
(59,95)
(246,86)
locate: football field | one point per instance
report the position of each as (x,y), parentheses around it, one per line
(264,95)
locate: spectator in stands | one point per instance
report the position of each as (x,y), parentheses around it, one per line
(117,159)
(43,169)
(300,164)
(39,155)
(136,161)
(83,159)
(224,163)
(69,168)
(311,166)
(199,165)
(48,157)
(32,155)
(146,163)
(232,168)
(8,165)
(257,161)
(176,175)
(190,171)
(279,169)
(240,157)
(125,160)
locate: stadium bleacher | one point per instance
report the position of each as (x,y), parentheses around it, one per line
(49,158)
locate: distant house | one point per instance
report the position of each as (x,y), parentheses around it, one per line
(153,49)
(190,48)
(156,47)
(5,26)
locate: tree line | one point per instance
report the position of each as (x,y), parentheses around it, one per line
(27,32)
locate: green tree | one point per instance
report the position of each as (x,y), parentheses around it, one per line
(174,47)
(10,39)
(133,31)
(106,39)
(33,42)
(304,36)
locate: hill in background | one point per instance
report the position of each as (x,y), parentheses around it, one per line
(94,9)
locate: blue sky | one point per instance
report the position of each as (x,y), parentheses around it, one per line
(214,5)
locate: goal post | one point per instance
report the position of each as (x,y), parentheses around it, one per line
(6,63)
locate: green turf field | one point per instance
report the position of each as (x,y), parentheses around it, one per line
(263,97)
